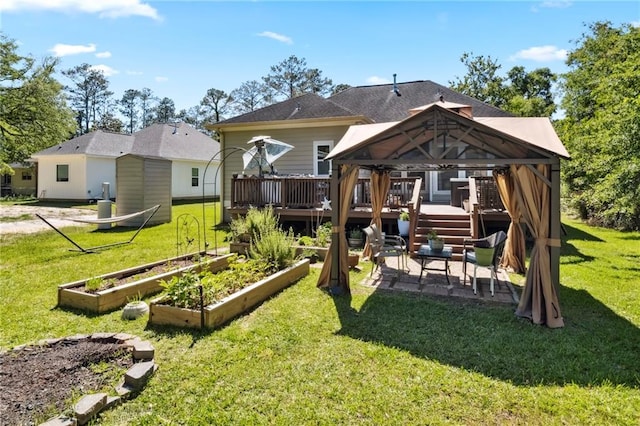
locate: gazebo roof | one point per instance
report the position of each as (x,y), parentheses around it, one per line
(409,144)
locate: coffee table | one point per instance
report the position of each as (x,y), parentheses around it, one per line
(425,254)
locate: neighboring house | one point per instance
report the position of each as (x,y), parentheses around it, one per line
(314,125)
(22,182)
(76,169)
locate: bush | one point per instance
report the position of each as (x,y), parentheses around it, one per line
(276,248)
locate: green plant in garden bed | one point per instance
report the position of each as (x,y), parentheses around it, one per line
(184,291)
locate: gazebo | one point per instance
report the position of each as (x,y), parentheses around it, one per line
(524,154)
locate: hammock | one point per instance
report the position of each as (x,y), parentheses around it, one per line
(114,219)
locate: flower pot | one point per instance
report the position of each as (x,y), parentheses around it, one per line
(403,228)
(436,245)
(355,242)
(133,310)
(353,260)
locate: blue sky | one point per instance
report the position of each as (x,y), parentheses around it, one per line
(179,49)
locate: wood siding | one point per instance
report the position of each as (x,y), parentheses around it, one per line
(143,182)
(297,161)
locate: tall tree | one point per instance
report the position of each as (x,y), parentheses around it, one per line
(147,106)
(88,94)
(193,116)
(109,123)
(165,111)
(250,96)
(215,104)
(129,107)
(530,94)
(291,78)
(33,112)
(481,81)
(527,94)
(601,128)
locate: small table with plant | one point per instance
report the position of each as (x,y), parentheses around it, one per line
(426,253)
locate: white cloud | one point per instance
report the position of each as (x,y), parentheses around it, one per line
(104,8)
(541,54)
(374,79)
(556,4)
(106,70)
(276,36)
(133,72)
(635,24)
(161,79)
(60,49)
(106,54)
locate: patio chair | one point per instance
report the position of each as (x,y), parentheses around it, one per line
(390,246)
(483,252)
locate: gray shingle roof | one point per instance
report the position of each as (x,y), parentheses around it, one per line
(304,106)
(379,103)
(175,142)
(97,143)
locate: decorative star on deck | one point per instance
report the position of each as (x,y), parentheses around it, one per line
(326,204)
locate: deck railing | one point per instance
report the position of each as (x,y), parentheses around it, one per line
(306,193)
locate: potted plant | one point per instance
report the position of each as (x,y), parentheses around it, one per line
(353,259)
(403,224)
(436,243)
(355,237)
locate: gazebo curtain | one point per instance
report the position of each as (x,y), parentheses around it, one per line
(514,250)
(348,180)
(539,301)
(380,182)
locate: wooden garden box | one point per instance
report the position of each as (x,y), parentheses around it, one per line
(219,313)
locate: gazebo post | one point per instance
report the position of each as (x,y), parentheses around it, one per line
(334,280)
(555,226)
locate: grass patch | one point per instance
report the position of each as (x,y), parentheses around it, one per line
(304,357)
(9,219)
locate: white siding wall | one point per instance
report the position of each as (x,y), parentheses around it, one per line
(298,160)
(181,179)
(100,170)
(74,189)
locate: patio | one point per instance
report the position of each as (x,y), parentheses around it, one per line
(435,282)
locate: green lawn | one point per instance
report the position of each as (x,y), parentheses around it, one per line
(376,358)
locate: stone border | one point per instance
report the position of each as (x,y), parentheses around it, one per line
(135,379)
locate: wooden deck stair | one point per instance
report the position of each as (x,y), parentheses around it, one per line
(454,228)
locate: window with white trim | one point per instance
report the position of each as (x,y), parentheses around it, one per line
(195,176)
(62,173)
(320,150)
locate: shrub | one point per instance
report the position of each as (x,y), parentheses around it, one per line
(276,248)
(261,221)
(323,235)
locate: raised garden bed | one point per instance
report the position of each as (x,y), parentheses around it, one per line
(243,248)
(133,283)
(214,315)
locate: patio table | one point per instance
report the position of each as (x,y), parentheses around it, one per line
(425,254)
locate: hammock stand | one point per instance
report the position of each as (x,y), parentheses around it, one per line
(114,219)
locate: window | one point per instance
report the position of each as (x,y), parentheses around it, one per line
(195,176)
(62,173)
(320,151)
(26,175)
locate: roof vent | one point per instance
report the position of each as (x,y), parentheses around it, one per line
(395,86)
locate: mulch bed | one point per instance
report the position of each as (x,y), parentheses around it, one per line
(37,381)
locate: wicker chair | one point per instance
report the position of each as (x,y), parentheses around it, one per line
(391,246)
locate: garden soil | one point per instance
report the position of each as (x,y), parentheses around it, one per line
(38,381)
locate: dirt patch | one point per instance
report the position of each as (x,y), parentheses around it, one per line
(37,381)
(23,220)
